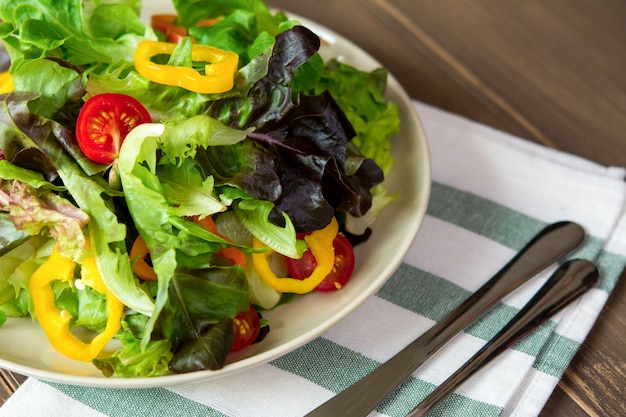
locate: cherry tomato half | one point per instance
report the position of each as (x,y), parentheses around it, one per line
(247,329)
(103,123)
(342,269)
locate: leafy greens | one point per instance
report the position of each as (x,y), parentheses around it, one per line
(295,142)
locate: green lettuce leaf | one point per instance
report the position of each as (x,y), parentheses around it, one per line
(186,136)
(197,317)
(87,307)
(134,359)
(9,171)
(191,12)
(108,20)
(207,351)
(16,268)
(52,28)
(10,237)
(201,298)
(237,32)
(107,234)
(254,215)
(53,90)
(65,39)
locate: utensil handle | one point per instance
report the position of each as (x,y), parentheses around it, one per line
(568,282)
(549,245)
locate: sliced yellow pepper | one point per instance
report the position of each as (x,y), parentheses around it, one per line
(320,244)
(6,82)
(219,73)
(56,322)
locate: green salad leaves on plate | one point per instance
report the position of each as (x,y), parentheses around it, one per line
(177,219)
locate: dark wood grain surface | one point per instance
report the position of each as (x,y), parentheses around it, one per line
(552,72)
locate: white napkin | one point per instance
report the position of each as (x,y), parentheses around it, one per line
(491,193)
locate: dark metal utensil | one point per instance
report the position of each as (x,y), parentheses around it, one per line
(568,282)
(547,247)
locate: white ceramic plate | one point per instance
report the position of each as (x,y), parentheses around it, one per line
(25,349)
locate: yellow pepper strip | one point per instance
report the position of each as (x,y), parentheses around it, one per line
(6,82)
(56,322)
(219,74)
(321,246)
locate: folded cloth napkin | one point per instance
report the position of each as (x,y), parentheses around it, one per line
(491,193)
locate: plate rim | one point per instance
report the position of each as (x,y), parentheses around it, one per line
(264,357)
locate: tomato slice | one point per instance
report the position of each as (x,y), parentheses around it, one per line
(166,23)
(247,329)
(103,123)
(342,270)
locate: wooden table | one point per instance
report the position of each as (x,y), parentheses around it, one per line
(552,72)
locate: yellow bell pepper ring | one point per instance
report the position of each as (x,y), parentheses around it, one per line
(320,244)
(219,74)
(6,82)
(56,322)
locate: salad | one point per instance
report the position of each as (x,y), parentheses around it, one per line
(162,185)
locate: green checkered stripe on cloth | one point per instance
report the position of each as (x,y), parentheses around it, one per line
(491,194)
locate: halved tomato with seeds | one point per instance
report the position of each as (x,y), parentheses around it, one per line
(342,269)
(247,329)
(103,123)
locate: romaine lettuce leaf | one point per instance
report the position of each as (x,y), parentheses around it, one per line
(107,234)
